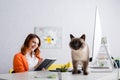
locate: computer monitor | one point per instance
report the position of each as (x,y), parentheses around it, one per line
(97,41)
(97,35)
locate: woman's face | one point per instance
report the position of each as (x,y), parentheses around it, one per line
(33,44)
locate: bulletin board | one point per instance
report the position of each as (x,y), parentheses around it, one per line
(51,37)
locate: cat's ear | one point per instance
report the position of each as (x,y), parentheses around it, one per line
(83,37)
(71,36)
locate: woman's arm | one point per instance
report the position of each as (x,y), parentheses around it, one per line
(19,63)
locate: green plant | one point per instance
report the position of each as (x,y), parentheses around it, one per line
(63,68)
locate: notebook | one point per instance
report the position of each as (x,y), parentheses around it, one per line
(45,64)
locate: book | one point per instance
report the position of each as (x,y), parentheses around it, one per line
(45,64)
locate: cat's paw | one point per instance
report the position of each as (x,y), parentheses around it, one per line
(85,73)
(74,72)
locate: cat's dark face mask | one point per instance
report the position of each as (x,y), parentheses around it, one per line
(75,44)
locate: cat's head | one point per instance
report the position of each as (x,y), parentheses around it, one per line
(77,43)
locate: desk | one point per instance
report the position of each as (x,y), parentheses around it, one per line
(43,75)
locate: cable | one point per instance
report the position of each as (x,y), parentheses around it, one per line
(117,69)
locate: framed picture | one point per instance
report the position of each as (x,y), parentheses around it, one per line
(51,37)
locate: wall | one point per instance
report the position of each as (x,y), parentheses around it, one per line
(19,17)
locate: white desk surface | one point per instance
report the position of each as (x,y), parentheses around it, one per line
(43,75)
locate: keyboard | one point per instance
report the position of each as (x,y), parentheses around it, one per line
(100,69)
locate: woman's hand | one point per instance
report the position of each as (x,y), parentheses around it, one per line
(37,64)
(43,69)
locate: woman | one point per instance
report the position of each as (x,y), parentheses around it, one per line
(29,57)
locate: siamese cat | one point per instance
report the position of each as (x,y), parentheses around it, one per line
(79,53)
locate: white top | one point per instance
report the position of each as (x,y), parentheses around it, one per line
(32,61)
